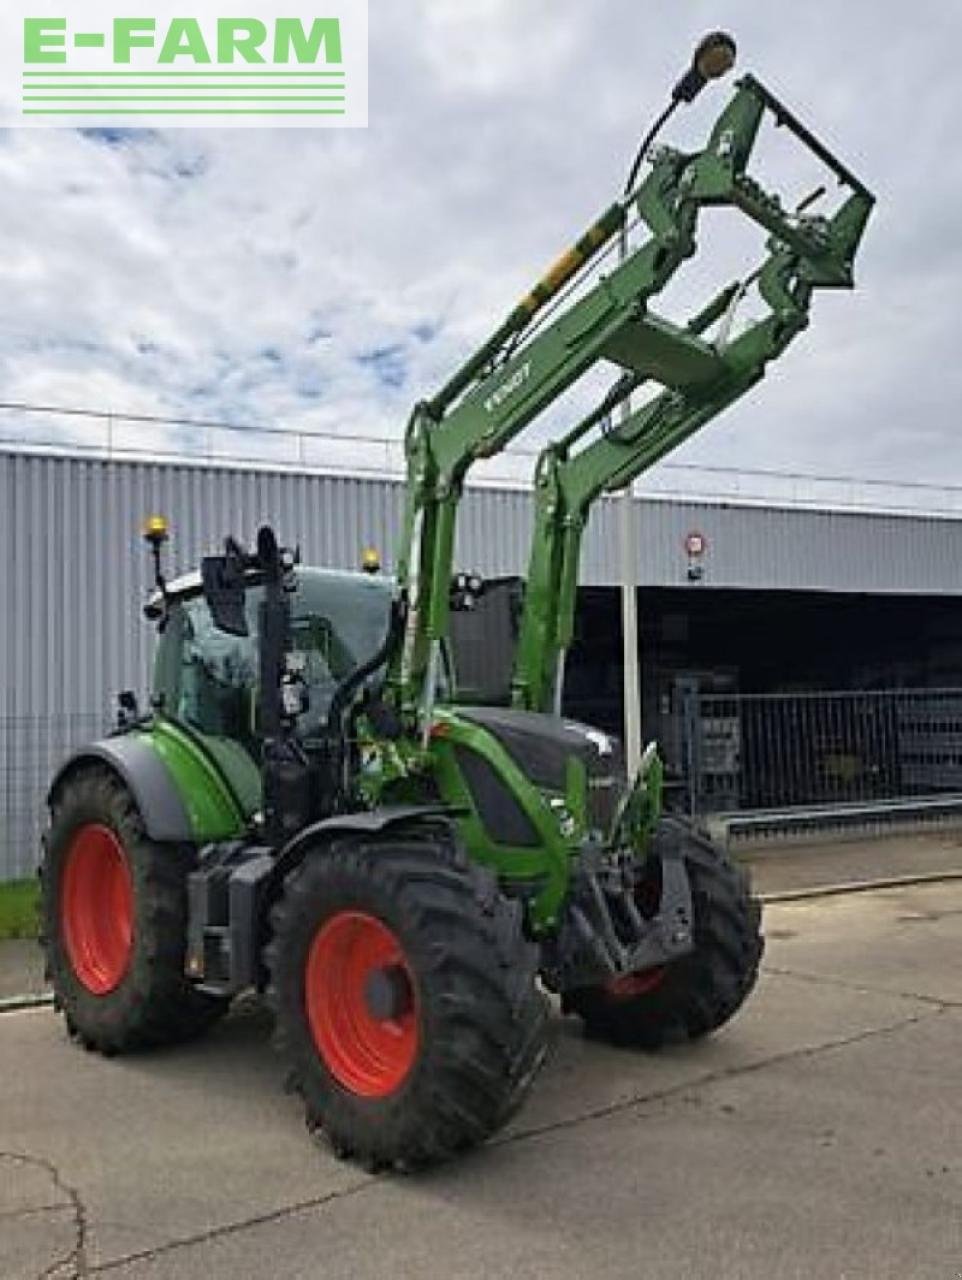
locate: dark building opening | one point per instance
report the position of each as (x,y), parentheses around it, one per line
(719,645)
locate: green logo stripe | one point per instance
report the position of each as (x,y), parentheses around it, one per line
(190,97)
(337,91)
(165,74)
(180,111)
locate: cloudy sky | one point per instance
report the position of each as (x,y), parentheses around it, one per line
(325,281)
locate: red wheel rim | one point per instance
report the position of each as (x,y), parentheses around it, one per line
(370,1056)
(636,984)
(97,909)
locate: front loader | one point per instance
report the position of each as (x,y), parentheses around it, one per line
(313,808)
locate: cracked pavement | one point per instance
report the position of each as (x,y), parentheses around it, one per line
(820,1135)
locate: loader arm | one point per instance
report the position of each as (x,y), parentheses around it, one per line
(568,483)
(521,370)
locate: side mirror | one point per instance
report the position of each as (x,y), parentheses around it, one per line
(128,711)
(222,578)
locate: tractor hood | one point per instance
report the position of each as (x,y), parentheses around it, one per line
(542,745)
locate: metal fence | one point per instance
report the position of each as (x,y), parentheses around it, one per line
(781,751)
(31,747)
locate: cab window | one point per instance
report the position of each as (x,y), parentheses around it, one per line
(209,679)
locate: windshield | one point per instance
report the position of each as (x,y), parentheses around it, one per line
(209,678)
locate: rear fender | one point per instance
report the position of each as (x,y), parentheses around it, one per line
(181,796)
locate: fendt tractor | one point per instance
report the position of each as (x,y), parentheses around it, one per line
(320,806)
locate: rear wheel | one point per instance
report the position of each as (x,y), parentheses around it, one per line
(405,998)
(114,911)
(698,994)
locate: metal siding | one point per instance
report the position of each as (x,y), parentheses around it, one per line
(762,548)
(72,631)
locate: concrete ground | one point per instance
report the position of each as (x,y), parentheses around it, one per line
(788,867)
(819,1135)
(21,968)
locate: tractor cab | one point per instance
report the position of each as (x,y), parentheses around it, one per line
(207,678)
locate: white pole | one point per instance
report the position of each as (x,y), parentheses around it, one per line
(629,600)
(629,629)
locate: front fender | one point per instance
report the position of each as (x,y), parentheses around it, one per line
(366,822)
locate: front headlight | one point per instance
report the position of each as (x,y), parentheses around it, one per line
(564,817)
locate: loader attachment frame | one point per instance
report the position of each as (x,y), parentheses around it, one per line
(524,367)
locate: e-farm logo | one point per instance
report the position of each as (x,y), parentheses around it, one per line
(203,63)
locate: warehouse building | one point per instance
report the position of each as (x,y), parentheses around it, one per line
(738,602)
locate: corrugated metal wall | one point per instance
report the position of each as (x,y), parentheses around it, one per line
(761,548)
(74,571)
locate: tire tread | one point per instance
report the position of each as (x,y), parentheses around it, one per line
(156,1003)
(703,991)
(476,974)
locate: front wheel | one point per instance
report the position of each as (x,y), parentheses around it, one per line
(405,998)
(699,993)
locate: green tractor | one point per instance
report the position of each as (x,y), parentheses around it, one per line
(399,838)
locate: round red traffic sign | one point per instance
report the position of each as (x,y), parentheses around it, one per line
(696,544)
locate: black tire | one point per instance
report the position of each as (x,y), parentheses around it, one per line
(698,994)
(481,1020)
(153,1003)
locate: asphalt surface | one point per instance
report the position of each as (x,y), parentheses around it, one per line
(21,969)
(819,1135)
(799,867)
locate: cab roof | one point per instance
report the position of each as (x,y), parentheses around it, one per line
(186,586)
